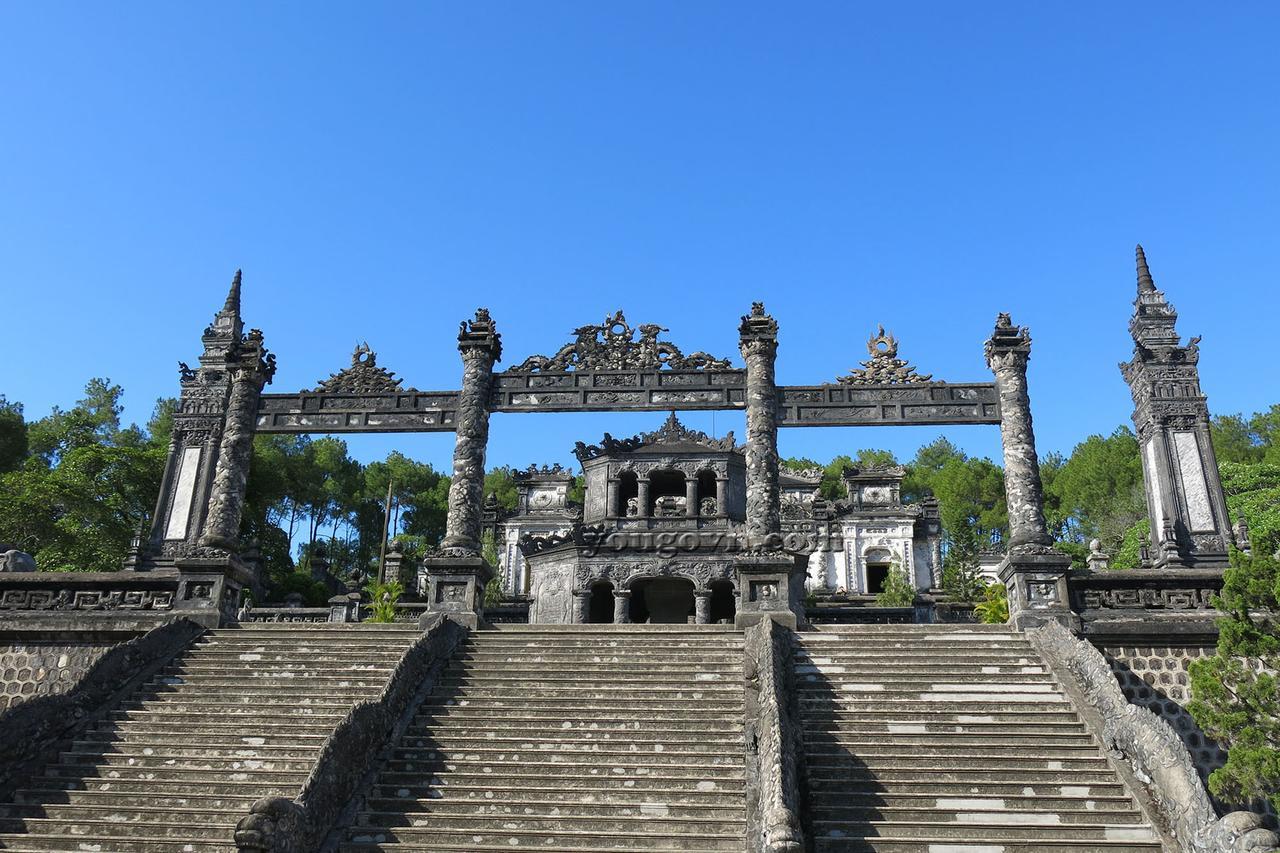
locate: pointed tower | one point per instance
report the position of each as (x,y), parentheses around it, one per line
(208,427)
(1185,501)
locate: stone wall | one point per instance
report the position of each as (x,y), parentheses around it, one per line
(30,669)
(1157,678)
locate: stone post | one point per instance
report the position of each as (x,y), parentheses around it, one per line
(722,487)
(226,501)
(481,347)
(758,342)
(691,497)
(1034,574)
(621,606)
(702,606)
(581,605)
(642,497)
(611,508)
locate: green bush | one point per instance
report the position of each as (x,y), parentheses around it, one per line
(898,590)
(993,609)
(383,598)
(314,593)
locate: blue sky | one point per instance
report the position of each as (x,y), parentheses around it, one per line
(380,170)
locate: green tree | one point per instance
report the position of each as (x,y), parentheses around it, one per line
(1236,695)
(13,435)
(1098,491)
(993,609)
(501,483)
(898,590)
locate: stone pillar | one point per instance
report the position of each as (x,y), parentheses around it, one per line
(691,497)
(1008,352)
(481,347)
(642,498)
(1034,573)
(621,606)
(1186,504)
(612,509)
(702,606)
(758,342)
(722,487)
(226,501)
(581,605)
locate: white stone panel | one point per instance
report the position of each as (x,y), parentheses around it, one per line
(1199,511)
(183,494)
(1153,484)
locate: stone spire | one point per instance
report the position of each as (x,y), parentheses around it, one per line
(1146,284)
(226,326)
(232,305)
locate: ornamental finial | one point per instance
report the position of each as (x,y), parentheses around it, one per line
(1146,284)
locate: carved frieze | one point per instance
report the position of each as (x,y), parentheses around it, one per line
(364,376)
(671,432)
(84,599)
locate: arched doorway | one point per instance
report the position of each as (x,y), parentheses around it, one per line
(662,601)
(600,605)
(723,603)
(878,562)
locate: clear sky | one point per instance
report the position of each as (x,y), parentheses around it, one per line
(380,170)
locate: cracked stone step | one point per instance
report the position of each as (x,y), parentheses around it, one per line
(734,812)
(63,843)
(995,832)
(824,820)
(483,786)
(476,838)
(538,756)
(856,802)
(925,844)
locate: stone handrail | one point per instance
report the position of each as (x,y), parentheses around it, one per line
(1153,751)
(299,825)
(32,727)
(772,742)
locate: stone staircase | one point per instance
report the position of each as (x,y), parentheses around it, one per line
(952,739)
(239,715)
(580,738)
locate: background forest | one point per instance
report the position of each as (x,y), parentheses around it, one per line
(76,486)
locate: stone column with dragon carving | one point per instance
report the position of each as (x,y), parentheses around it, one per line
(253,369)
(1034,573)
(458,575)
(758,342)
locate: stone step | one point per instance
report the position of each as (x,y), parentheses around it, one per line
(122,813)
(201,760)
(601,777)
(214,729)
(93,771)
(952,702)
(970,712)
(926,844)
(476,838)
(576,680)
(575,706)
(971,729)
(532,764)
(466,717)
(990,760)
(1051,748)
(554,740)
(831,804)
(568,809)
(218,748)
(136,844)
(990,833)
(307,717)
(109,799)
(874,787)
(226,736)
(216,657)
(533,692)
(595,663)
(603,822)
(828,672)
(825,821)
(538,756)
(700,792)
(274,680)
(838,686)
(91,830)
(136,785)
(301,706)
(840,776)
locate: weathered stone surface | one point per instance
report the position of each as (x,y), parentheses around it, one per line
(774,741)
(758,342)
(481,347)
(1153,750)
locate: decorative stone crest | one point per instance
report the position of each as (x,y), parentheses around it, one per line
(364,376)
(671,432)
(612,346)
(884,366)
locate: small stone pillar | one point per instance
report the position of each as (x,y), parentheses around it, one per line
(581,605)
(722,487)
(642,498)
(1097,560)
(702,607)
(481,347)
(621,606)
(758,342)
(1034,573)
(691,497)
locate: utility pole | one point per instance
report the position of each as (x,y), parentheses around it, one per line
(386,530)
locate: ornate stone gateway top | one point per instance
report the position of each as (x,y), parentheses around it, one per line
(362,377)
(671,432)
(612,346)
(884,368)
